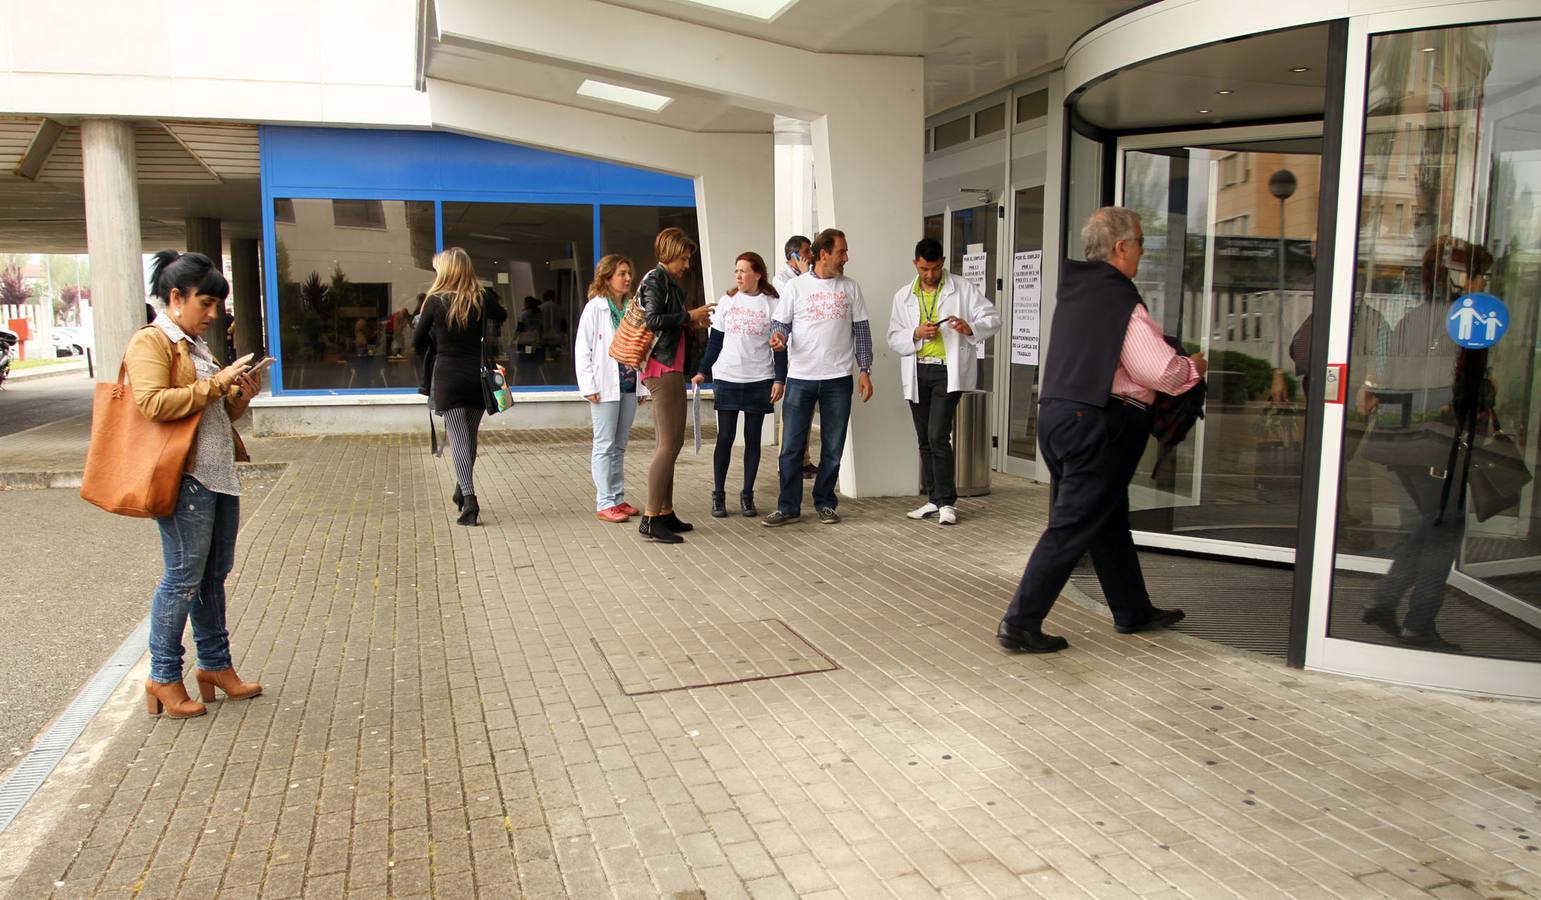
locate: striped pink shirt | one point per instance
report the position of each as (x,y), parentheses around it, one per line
(1149,364)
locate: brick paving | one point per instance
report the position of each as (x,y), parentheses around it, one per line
(440,720)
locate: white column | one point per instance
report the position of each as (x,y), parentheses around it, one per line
(795,212)
(868,163)
(112,237)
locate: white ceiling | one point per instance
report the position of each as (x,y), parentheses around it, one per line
(971,47)
(1171,91)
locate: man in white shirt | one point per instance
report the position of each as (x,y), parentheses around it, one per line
(937,324)
(821,322)
(799,259)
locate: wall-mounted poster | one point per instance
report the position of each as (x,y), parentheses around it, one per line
(1026,301)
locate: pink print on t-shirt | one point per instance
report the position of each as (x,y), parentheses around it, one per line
(747,320)
(826,305)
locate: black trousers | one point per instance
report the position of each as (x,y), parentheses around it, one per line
(1092,453)
(933,417)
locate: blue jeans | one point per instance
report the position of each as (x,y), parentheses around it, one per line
(833,398)
(198,546)
(612,428)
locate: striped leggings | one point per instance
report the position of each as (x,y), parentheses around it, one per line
(461,425)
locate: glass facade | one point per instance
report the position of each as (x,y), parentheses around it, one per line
(1438,532)
(349,272)
(352,260)
(539,259)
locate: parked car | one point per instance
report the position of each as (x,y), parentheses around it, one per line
(70,341)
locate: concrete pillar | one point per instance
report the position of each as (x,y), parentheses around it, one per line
(112,237)
(794,181)
(868,161)
(203,236)
(246,284)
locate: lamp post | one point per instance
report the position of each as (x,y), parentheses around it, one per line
(1282,185)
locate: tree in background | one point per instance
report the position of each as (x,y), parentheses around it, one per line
(13,287)
(67,306)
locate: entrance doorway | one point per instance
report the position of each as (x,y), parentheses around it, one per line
(1229,270)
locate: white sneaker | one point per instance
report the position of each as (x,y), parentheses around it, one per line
(923,512)
(947,515)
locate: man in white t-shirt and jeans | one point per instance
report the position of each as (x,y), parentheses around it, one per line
(821,322)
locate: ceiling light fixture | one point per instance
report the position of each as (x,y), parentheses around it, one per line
(1298,69)
(1427,50)
(1225,92)
(1203,112)
(614,93)
(764,10)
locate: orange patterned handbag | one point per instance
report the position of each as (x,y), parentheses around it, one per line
(633,341)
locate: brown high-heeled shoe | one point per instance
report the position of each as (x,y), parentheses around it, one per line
(172,698)
(227,681)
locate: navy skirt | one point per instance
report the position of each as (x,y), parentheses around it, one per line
(739,396)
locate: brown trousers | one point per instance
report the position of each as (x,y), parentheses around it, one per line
(667,393)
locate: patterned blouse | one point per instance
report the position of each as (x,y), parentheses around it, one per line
(214,462)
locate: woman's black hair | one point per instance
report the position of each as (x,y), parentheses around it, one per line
(190,273)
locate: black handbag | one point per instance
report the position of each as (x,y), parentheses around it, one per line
(1497,477)
(496,396)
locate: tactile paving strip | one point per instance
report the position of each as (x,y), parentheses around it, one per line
(709,655)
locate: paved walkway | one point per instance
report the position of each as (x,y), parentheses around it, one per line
(506,711)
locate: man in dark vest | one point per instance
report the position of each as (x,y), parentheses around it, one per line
(1106,361)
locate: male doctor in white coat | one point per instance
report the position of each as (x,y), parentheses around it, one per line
(937,324)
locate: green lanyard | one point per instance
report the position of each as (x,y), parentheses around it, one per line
(928,313)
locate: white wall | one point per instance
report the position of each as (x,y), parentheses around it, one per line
(303,61)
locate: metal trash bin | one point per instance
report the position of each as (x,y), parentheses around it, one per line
(971,444)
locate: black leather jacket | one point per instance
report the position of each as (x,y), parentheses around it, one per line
(663,302)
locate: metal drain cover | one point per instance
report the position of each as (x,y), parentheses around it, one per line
(653,662)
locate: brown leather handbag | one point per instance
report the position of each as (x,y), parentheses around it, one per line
(134,465)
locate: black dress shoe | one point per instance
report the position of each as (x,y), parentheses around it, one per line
(1427,640)
(1384,618)
(746,503)
(719,505)
(654,529)
(1157,620)
(1022,640)
(459,498)
(470,512)
(673,523)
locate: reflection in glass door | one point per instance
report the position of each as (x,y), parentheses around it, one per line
(974,233)
(1438,540)
(1022,413)
(1229,270)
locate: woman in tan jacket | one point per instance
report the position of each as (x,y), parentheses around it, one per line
(174,376)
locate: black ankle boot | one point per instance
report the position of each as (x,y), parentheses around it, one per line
(719,505)
(654,529)
(469,511)
(746,503)
(672,522)
(459,498)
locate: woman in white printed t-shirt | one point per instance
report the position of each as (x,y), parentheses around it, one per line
(747,377)
(613,389)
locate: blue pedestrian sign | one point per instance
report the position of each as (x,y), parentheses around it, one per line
(1477,321)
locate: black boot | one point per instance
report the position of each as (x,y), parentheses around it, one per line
(672,522)
(459,498)
(746,503)
(470,511)
(654,529)
(719,505)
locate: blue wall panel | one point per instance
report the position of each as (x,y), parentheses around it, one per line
(341,160)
